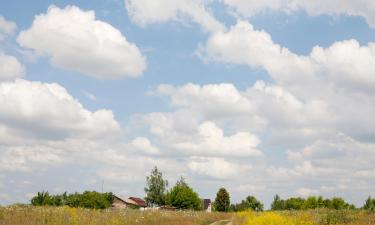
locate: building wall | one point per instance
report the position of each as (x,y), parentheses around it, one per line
(118,204)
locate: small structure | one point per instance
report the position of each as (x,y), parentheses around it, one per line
(207,205)
(119,203)
(137,202)
(132,202)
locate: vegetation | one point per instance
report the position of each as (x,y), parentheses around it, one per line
(30,215)
(369,204)
(182,196)
(222,200)
(307,217)
(250,203)
(311,202)
(155,188)
(88,199)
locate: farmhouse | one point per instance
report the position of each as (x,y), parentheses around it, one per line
(121,203)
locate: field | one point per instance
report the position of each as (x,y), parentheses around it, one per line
(76,216)
(22,215)
(312,217)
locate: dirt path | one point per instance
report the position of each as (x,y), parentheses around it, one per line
(221,222)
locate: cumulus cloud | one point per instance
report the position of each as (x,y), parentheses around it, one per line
(145,12)
(144,145)
(210,140)
(214,99)
(7,27)
(217,168)
(10,67)
(363,8)
(79,42)
(47,110)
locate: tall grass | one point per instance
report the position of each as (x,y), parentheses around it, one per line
(16,215)
(312,217)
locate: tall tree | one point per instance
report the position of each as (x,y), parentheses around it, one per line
(222,200)
(155,188)
(182,196)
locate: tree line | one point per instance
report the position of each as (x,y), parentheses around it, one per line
(182,196)
(88,199)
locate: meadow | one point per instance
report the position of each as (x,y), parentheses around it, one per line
(30,215)
(308,217)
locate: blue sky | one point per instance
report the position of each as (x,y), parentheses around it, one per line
(261,97)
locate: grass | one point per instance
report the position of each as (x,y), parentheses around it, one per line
(20,215)
(311,217)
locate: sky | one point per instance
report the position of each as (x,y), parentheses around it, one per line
(260,97)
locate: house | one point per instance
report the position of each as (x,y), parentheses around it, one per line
(137,201)
(131,202)
(207,205)
(119,203)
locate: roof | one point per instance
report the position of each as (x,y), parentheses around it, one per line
(118,198)
(140,202)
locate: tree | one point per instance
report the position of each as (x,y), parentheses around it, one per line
(89,199)
(155,188)
(369,204)
(249,203)
(42,198)
(222,200)
(277,203)
(182,196)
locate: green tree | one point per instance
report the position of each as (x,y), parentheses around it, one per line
(222,200)
(182,196)
(155,188)
(369,204)
(277,203)
(249,203)
(42,198)
(89,199)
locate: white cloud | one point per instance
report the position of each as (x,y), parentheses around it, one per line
(144,145)
(217,168)
(27,158)
(305,192)
(10,68)
(34,109)
(7,27)
(242,44)
(77,41)
(344,62)
(145,12)
(363,8)
(210,141)
(213,99)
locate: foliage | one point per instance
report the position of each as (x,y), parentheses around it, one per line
(311,202)
(222,200)
(77,216)
(249,203)
(88,199)
(369,204)
(306,217)
(182,196)
(155,188)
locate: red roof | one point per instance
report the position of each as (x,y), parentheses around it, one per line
(140,202)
